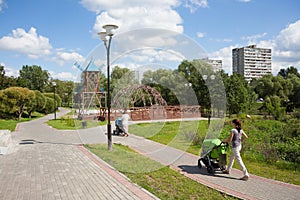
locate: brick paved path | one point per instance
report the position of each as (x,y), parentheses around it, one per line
(49,164)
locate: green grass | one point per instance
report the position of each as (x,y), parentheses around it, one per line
(73,124)
(256,152)
(161,181)
(11,124)
(181,135)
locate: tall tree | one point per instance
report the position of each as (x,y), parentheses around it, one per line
(198,74)
(239,96)
(270,85)
(294,96)
(288,71)
(33,78)
(6,81)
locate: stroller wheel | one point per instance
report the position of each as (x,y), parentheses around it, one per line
(199,163)
(210,170)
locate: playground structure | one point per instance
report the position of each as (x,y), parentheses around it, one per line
(141,102)
(151,105)
(90,99)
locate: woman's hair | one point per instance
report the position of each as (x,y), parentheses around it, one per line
(238,124)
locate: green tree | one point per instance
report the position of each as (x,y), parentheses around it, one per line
(18,99)
(33,78)
(57,100)
(286,72)
(270,85)
(165,82)
(49,106)
(122,77)
(294,96)
(273,107)
(5,81)
(37,104)
(198,74)
(5,111)
(64,89)
(239,95)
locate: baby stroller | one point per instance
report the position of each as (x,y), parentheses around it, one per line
(119,127)
(213,155)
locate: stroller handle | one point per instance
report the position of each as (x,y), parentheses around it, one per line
(226,143)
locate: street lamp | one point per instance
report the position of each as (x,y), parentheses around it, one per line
(54,86)
(106,38)
(212,77)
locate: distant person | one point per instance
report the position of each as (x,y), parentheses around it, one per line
(237,136)
(125,117)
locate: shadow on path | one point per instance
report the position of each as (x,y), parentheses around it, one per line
(202,171)
(32,141)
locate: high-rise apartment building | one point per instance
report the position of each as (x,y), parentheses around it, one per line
(216,64)
(252,62)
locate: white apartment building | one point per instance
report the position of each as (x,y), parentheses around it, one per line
(252,62)
(216,64)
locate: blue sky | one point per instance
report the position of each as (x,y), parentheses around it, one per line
(55,34)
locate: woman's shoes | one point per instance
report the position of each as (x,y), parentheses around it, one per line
(244,178)
(225,172)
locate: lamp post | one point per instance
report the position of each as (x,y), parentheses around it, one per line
(106,38)
(54,86)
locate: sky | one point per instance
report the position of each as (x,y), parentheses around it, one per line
(55,34)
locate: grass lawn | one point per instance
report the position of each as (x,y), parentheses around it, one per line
(11,124)
(73,124)
(179,135)
(161,181)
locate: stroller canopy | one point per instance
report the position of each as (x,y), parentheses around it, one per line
(208,145)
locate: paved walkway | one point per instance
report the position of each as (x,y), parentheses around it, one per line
(50,164)
(55,167)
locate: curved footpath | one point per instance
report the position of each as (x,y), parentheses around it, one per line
(48,164)
(51,164)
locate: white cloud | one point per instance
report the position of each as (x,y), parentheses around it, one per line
(156,56)
(28,43)
(253,38)
(289,38)
(193,5)
(245,1)
(200,35)
(62,57)
(63,76)
(285,47)
(1,5)
(135,14)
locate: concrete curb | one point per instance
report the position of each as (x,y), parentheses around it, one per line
(5,141)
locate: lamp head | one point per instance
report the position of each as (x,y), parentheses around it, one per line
(103,36)
(110,28)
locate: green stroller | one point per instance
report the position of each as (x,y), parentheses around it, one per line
(213,155)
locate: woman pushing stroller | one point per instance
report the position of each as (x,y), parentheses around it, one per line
(237,136)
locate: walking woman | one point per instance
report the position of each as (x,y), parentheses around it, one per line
(237,136)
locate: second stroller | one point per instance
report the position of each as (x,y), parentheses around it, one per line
(119,127)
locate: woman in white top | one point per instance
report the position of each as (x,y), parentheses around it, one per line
(237,136)
(125,117)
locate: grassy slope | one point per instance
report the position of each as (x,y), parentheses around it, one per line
(253,152)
